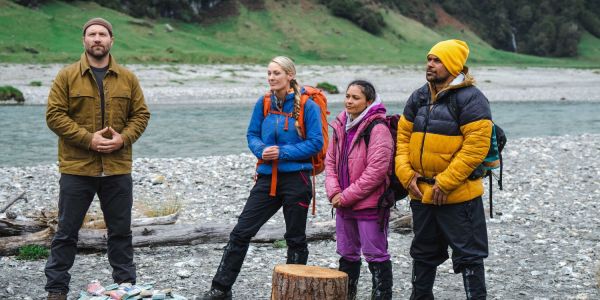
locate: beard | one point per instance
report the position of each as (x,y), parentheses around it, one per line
(97,51)
(436,79)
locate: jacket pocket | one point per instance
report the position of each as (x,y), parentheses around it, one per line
(82,107)
(119,109)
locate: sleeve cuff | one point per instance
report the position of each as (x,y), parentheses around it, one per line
(86,143)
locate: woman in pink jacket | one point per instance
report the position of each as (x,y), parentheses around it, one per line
(357,177)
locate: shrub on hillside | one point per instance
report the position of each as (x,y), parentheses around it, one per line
(590,22)
(358,13)
(420,10)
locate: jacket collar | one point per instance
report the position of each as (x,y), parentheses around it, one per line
(340,121)
(84,65)
(461,81)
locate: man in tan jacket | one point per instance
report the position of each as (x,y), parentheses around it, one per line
(97,109)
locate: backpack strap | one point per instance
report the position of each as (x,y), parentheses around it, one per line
(381,212)
(267,103)
(266,110)
(366,134)
(490,189)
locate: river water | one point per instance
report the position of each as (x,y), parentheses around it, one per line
(211,129)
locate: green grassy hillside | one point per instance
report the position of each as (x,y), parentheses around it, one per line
(52,33)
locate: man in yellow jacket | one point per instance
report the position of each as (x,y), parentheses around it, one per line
(97,109)
(443,135)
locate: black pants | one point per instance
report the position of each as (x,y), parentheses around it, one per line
(76,195)
(460,226)
(294,192)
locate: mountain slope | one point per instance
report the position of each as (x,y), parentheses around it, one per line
(304,30)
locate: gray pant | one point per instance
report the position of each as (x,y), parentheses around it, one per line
(76,195)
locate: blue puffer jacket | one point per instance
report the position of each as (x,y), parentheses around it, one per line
(294,152)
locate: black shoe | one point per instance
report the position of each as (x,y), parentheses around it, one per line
(382,280)
(216,294)
(352,268)
(297,256)
(56,296)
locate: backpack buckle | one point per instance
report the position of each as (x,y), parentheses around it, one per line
(427,180)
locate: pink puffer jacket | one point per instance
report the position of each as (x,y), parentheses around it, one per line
(368,166)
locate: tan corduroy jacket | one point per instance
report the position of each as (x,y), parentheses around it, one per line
(74,114)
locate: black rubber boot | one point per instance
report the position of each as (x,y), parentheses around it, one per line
(56,296)
(423,277)
(228,270)
(352,268)
(474,280)
(216,294)
(297,256)
(382,280)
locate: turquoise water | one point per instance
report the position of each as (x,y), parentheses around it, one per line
(201,130)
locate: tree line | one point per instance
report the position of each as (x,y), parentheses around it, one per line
(537,27)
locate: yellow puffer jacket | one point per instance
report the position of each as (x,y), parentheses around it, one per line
(444,142)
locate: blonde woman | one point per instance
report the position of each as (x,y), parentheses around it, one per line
(275,140)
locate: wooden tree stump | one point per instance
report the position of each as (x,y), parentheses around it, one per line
(308,282)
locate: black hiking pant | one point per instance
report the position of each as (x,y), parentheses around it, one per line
(76,195)
(460,226)
(294,193)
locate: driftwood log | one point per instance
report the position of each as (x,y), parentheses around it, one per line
(291,282)
(160,231)
(10,227)
(13,201)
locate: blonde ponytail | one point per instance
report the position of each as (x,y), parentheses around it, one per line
(296,113)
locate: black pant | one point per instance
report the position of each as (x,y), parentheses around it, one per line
(76,195)
(460,226)
(294,193)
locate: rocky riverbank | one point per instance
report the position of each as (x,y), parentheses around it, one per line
(544,238)
(197,84)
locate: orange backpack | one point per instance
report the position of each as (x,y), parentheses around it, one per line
(317,160)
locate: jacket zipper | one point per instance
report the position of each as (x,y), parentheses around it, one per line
(424,134)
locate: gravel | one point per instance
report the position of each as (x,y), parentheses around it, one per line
(544,238)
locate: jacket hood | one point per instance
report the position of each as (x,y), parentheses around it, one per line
(375,112)
(462,80)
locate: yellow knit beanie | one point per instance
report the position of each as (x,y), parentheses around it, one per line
(452,53)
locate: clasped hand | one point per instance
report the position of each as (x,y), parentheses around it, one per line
(438,196)
(104,145)
(271,153)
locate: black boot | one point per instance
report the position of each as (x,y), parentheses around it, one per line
(474,280)
(423,277)
(297,256)
(216,294)
(382,280)
(228,270)
(352,268)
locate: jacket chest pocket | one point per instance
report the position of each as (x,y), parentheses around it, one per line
(119,109)
(82,106)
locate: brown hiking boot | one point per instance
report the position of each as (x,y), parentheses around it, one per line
(56,296)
